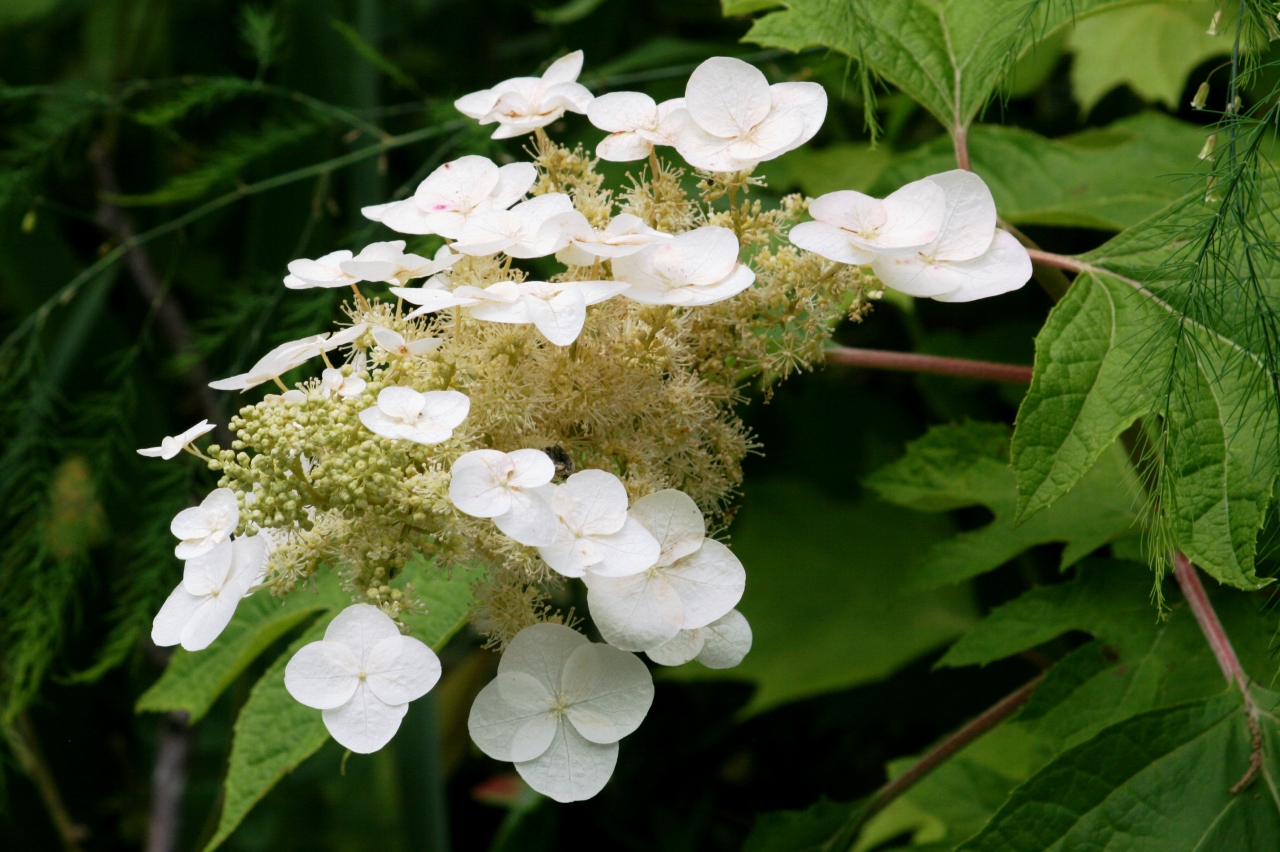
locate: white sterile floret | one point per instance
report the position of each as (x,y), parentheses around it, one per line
(403,414)
(530,229)
(213,584)
(736,119)
(362,675)
(454,193)
(969,259)
(171,445)
(583,245)
(393,343)
(523,104)
(202,528)
(635,124)
(593,530)
(333,381)
(694,581)
(387,262)
(322,272)
(853,228)
(699,267)
(286,356)
(722,644)
(503,486)
(557,709)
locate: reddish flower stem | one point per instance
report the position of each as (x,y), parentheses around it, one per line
(1058,261)
(911,362)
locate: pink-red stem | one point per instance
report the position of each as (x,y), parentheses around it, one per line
(911,362)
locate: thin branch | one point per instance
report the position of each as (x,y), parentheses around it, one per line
(1050,278)
(26,748)
(1059,261)
(169,783)
(911,362)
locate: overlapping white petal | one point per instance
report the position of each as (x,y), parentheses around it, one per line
(523,104)
(594,531)
(582,245)
(404,414)
(286,356)
(202,528)
(558,707)
(171,445)
(635,124)
(520,232)
(453,194)
(324,271)
(362,675)
(334,381)
(699,267)
(722,644)
(853,228)
(393,343)
(503,486)
(736,119)
(213,584)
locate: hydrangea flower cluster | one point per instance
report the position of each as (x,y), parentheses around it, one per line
(523,434)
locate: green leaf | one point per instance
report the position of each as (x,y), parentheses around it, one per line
(844,165)
(1109,178)
(797,831)
(568,13)
(1128,787)
(964,465)
(847,621)
(1152,48)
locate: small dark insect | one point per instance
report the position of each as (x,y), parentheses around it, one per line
(563,461)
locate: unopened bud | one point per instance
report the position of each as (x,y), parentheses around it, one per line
(1273,34)
(1211,195)
(1202,96)
(1213,24)
(1206,153)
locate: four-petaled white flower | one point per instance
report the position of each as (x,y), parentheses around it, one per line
(171,445)
(523,104)
(594,532)
(853,228)
(202,528)
(558,707)
(393,343)
(286,356)
(969,259)
(722,644)
(583,245)
(362,675)
(387,262)
(213,584)
(324,271)
(504,487)
(530,229)
(403,414)
(333,380)
(453,193)
(694,581)
(699,267)
(736,119)
(635,124)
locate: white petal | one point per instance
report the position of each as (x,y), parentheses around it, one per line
(574,97)
(364,724)
(686,645)
(773,136)
(608,692)
(322,675)
(563,555)
(166,628)
(623,148)
(623,111)
(830,242)
(390,341)
(564,70)
(630,550)
(489,233)
(709,583)
(727,97)
(970,220)
(702,150)
(541,651)
(674,520)
(514,180)
(430,299)
(637,612)
(477,483)
(360,627)
(457,186)
(379,423)
(477,104)
(400,669)
(806,101)
(531,468)
(914,215)
(710,253)
(560,318)
(209,572)
(445,409)
(208,621)
(400,402)
(248,563)
(1003,267)
(740,279)
(406,217)
(511,717)
(593,502)
(572,768)
(529,520)
(726,641)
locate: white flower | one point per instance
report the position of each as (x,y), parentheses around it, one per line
(403,414)
(526,230)
(393,343)
(523,104)
(584,245)
(853,228)
(363,675)
(322,272)
(722,644)
(557,709)
(388,263)
(333,381)
(213,584)
(171,445)
(699,267)
(202,528)
(694,581)
(503,486)
(286,356)
(454,193)
(969,259)
(736,119)
(594,532)
(635,124)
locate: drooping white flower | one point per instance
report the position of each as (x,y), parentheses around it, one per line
(521,231)
(362,675)
(557,709)
(722,644)
(202,528)
(523,104)
(699,267)
(213,584)
(853,228)
(635,124)
(403,414)
(969,259)
(594,532)
(387,262)
(393,343)
(503,486)
(453,193)
(324,271)
(694,581)
(584,245)
(171,445)
(286,356)
(736,119)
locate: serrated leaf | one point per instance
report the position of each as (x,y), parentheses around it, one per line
(1109,178)
(965,465)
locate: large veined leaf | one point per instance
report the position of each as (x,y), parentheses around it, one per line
(965,465)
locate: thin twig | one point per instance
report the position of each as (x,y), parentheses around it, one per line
(169,783)
(912,362)
(26,748)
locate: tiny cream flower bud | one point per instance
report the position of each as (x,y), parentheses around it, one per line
(1202,95)
(1206,153)
(1213,24)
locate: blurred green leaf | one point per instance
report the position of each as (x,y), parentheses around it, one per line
(373,56)
(17,11)
(173,104)
(845,165)
(807,830)
(568,13)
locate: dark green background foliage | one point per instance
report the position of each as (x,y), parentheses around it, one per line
(899,579)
